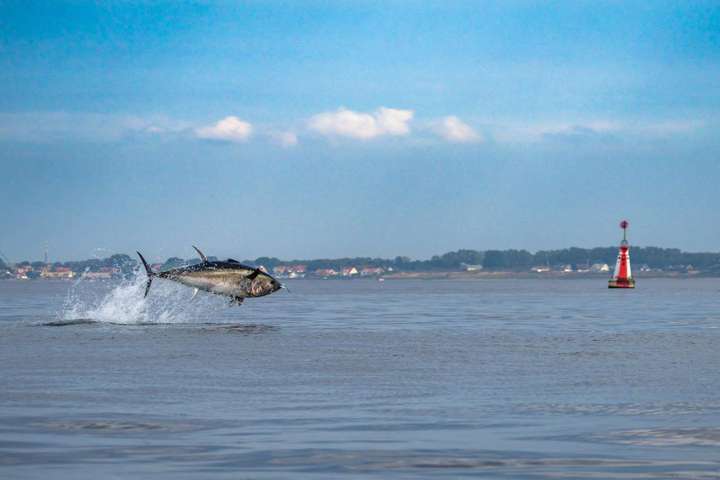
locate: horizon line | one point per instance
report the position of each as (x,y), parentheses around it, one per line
(533,252)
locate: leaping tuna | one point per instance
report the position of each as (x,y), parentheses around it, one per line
(229,278)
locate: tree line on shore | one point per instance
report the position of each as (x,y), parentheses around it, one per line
(507,260)
(124,263)
(653,257)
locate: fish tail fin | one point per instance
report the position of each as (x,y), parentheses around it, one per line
(149,273)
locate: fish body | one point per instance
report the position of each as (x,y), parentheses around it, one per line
(229,278)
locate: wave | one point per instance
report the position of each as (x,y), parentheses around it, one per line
(65,323)
(125,304)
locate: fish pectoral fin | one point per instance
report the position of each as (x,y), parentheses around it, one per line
(236,301)
(195,292)
(202,255)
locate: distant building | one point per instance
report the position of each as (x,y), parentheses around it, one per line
(21,273)
(370,271)
(97,275)
(567,268)
(325,272)
(58,272)
(472,268)
(296,271)
(349,271)
(280,270)
(600,267)
(540,269)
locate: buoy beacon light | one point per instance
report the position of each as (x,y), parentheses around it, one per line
(622,276)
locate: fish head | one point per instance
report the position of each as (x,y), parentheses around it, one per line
(263,284)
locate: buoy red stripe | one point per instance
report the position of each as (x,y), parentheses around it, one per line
(622,276)
(622,270)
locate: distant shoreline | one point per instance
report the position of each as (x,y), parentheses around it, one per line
(449,275)
(487,275)
(570,262)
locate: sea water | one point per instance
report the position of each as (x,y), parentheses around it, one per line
(361,379)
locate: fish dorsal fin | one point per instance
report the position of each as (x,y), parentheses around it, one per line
(202,255)
(232,260)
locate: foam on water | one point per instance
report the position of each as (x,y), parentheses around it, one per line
(167,302)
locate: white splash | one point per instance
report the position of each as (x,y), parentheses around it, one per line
(125,303)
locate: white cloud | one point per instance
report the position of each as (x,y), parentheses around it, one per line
(453,129)
(50,127)
(286,139)
(42,127)
(537,132)
(393,121)
(515,132)
(670,127)
(229,129)
(363,126)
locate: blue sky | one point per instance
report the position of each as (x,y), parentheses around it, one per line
(324,129)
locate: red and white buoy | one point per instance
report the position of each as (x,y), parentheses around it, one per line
(622,277)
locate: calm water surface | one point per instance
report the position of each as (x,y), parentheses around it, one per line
(362,379)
